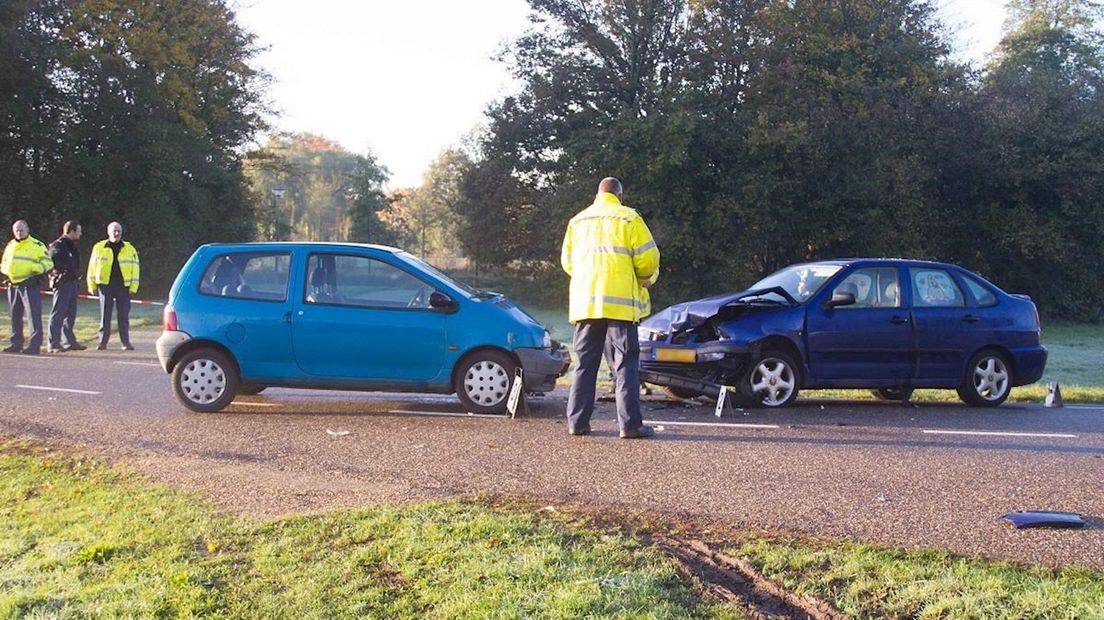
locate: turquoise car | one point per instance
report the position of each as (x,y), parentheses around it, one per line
(242,317)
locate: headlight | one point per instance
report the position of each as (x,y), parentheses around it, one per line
(710,357)
(547,343)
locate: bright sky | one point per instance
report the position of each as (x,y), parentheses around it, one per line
(408,79)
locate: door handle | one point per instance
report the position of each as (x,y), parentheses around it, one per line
(969,318)
(287,316)
(899,320)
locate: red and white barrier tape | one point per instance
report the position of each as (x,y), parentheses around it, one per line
(81,296)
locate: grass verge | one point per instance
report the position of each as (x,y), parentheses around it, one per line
(80,539)
(869,582)
(88,319)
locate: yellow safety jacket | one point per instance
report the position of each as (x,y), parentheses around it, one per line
(99,266)
(608,251)
(25,259)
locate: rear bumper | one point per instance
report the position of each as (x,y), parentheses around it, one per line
(167,345)
(1030,363)
(542,367)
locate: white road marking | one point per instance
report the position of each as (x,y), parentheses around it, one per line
(1090,407)
(254,404)
(447,414)
(54,389)
(719,424)
(1001,434)
(140,364)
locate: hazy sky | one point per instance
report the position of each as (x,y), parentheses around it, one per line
(407,79)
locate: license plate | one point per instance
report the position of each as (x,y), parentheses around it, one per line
(684,356)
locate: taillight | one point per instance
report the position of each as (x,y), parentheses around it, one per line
(168,319)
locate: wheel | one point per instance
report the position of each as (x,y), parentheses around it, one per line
(483,381)
(772,381)
(893,393)
(205,381)
(988,380)
(681,393)
(251,389)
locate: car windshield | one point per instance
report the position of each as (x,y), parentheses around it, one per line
(800,281)
(424,266)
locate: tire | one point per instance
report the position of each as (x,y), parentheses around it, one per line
(205,380)
(483,379)
(251,389)
(987,380)
(681,393)
(894,393)
(772,381)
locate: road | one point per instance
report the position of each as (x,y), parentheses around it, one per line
(916,476)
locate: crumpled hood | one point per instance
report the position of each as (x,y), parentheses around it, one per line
(690,314)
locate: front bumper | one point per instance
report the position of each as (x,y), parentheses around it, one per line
(542,367)
(168,344)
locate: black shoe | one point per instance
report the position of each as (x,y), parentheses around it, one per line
(580,431)
(30,351)
(75,347)
(101,347)
(640,433)
(126,347)
(14,349)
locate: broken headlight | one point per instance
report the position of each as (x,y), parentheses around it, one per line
(710,357)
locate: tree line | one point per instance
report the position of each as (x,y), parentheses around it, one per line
(750,134)
(756,133)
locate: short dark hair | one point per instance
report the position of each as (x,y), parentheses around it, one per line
(69,226)
(611,185)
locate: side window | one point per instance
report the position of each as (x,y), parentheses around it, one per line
(874,287)
(247,276)
(982,295)
(934,288)
(362,281)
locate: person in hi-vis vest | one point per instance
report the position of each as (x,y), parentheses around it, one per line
(612,259)
(24,262)
(113,274)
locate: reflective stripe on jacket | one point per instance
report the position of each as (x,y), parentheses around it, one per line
(25,259)
(608,251)
(99,266)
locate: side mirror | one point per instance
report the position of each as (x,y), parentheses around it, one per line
(841,299)
(442,302)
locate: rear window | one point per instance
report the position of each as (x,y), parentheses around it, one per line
(258,276)
(982,295)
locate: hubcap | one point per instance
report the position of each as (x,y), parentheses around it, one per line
(991,378)
(772,381)
(486,383)
(202,381)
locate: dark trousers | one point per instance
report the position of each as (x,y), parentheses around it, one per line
(24,299)
(63,315)
(592,336)
(118,296)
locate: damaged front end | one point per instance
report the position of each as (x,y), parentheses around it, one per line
(696,347)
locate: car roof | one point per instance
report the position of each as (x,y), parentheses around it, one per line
(882,261)
(268,245)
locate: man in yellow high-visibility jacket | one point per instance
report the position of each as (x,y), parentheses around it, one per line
(24,262)
(611,257)
(113,274)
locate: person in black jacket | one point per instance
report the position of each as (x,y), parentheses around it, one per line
(63,280)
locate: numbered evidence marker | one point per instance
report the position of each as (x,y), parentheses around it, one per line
(722,401)
(517,397)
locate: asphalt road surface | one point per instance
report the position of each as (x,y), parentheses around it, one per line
(916,476)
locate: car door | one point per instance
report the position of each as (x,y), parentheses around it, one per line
(945,327)
(245,302)
(361,317)
(865,343)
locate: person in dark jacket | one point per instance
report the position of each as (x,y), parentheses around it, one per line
(63,280)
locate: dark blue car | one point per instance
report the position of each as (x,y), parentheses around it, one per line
(890,325)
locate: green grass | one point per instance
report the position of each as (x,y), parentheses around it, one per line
(80,539)
(88,319)
(868,582)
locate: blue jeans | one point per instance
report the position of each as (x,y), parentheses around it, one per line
(24,299)
(591,338)
(63,314)
(117,296)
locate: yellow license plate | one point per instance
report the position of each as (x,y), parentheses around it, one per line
(685,356)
